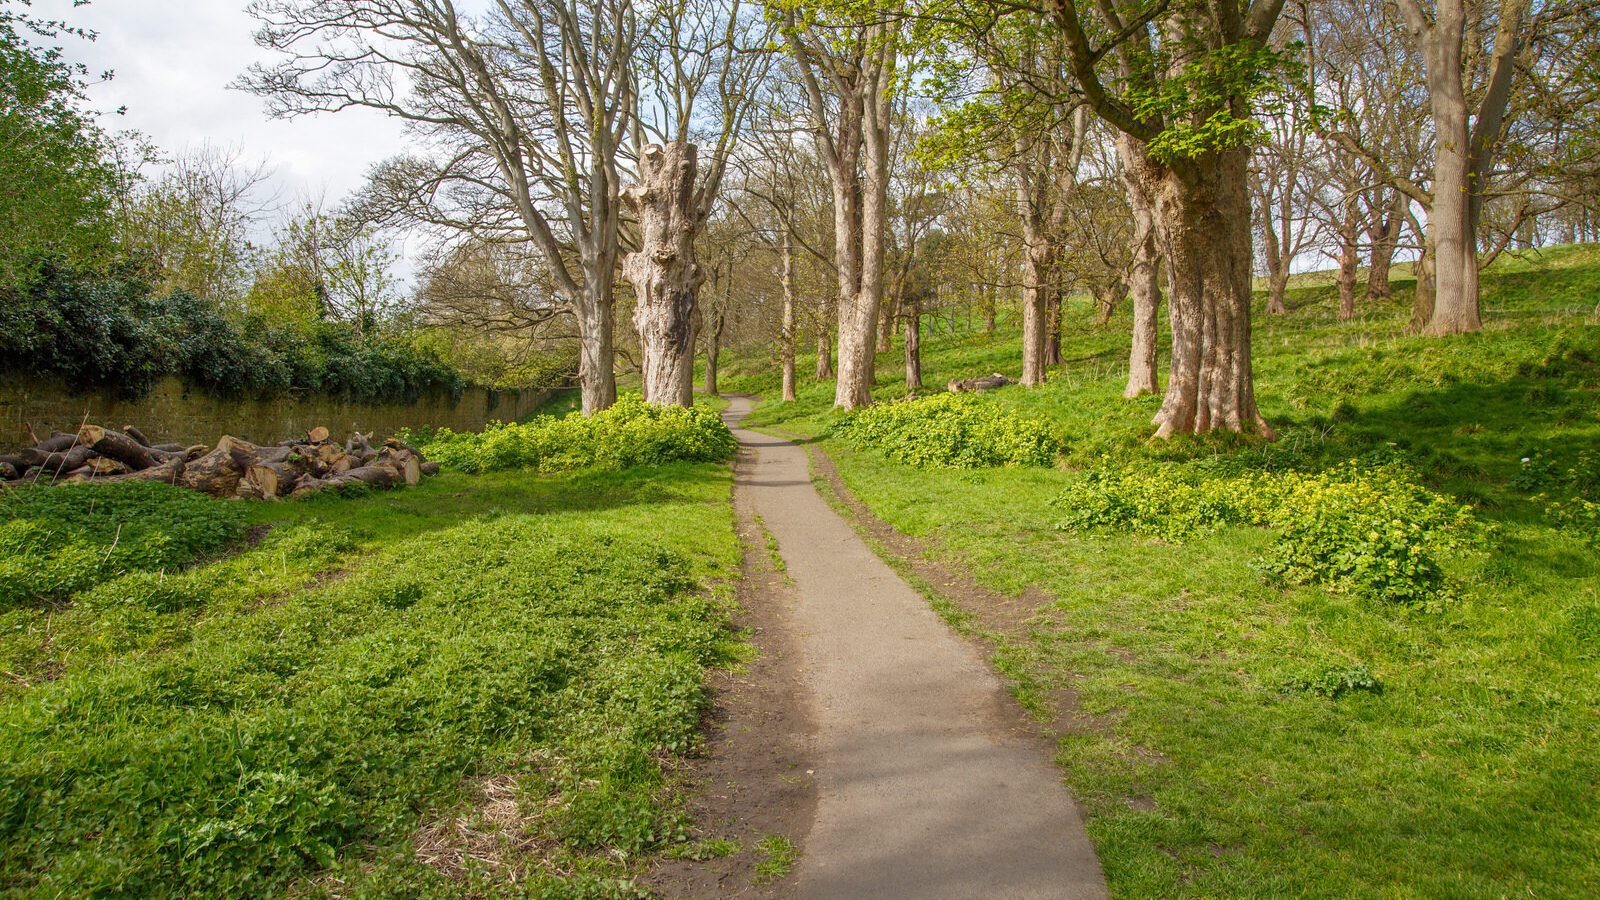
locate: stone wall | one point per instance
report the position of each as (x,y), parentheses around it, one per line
(173,413)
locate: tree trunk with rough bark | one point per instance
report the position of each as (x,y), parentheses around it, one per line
(858,311)
(597,377)
(1038,261)
(912,309)
(1384,234)
(1205,212)
(786,336)
(663,271)
(1144,274)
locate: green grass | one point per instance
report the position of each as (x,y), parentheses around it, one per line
(778,856)
(316,700)
(1244,739)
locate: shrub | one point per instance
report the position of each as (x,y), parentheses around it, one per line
(951,431)
(101,331)
(57,541)
(629,433)
(1369,528)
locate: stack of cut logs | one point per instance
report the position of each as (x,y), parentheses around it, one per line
(234,468)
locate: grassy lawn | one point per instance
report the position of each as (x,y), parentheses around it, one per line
(469,685)
(1205,763)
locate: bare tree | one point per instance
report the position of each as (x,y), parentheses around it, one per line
(846,69)
(524,112)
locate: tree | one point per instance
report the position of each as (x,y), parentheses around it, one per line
(1484,63)
(191,229)
(1189,76)
(522,112)
(689,48)
(56,164)
(845,60)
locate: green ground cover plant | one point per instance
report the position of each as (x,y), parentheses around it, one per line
(1234,735)
(292,716)
(56,541)
(956,431)
(1366,526)
(629,433)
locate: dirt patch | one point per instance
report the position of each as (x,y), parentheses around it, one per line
(755,779)
(493,834)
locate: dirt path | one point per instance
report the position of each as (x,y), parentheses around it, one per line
(927,783)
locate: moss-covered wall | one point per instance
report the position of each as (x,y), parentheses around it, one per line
(172,413)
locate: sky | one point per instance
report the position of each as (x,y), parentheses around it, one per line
(174,60)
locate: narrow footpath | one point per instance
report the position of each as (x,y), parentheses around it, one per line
(927,787)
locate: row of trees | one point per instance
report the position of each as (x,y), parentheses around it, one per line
(912,153)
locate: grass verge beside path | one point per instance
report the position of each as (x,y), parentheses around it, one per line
(470,685)
(1230,737)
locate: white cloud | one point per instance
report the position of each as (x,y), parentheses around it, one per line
(174,60)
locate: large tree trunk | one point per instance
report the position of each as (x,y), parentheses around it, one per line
(597,377)
(786,338)
(1205,213)
(664,273)
(1144,274)
(1453,235)
(858,313)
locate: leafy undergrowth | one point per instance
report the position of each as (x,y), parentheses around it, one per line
(291,718)
(957,431)
(56,541)
(1299,735)
(629,433)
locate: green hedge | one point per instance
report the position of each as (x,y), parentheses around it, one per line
(104,332)
(629,433)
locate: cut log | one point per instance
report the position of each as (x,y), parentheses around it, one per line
(410,470)
(268,481)
(216,473)
(273,454)
(980,383)
(169,448)
(105,465)
(373,476)
(243,453)
(57,442)
(166,472)
(137,435)
(56,465)
(9,472)
(120,447)
(359,445)
(430,468)
(317,435)
(77,476)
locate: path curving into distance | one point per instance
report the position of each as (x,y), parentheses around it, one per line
(927,787)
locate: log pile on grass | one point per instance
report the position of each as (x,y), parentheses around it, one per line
(298,467)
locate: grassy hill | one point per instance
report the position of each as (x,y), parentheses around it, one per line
(1231,733)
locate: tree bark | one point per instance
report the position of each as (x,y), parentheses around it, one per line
(663,271)
(912,309)
(858,310)
(1144,273)
(1385,237)
(1205,211)
(1038,261)
(786,337)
